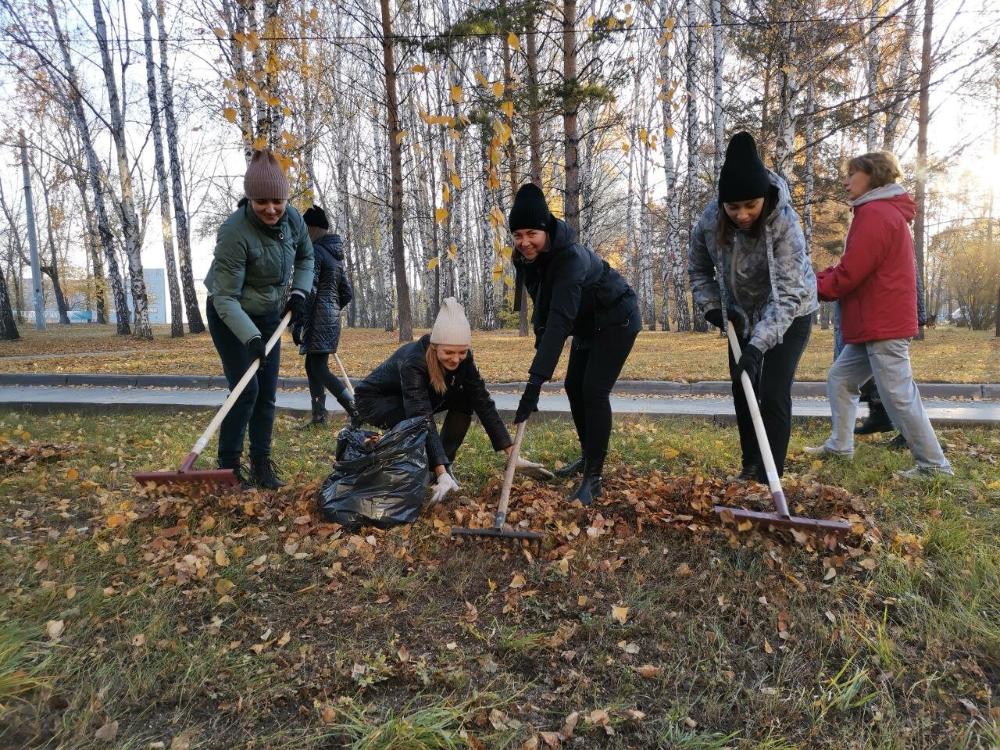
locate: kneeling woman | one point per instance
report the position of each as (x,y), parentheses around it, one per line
(433,374)
(575,293)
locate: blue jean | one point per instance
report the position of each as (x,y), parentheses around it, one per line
(889,363)
(255,407)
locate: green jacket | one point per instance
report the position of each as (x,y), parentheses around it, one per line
(252,265)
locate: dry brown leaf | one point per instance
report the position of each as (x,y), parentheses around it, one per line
(569,726)
(54,629)
(518,581)
(551,739)
(649,671)
(107,732)
(619,614)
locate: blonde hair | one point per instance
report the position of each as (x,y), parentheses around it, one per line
(881,166)
(435,370)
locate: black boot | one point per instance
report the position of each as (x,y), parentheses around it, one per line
(750,473)
(877,421)
(318,418)
(347,403)
(898,443)
(265,473)
(570,470)
(589,489)
(242,476)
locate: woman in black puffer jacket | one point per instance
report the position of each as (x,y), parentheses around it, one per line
(575,293)
(433,374)
(318,333)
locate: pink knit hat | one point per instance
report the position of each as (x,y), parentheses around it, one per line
(265,179)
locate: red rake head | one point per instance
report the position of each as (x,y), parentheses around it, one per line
(206,476)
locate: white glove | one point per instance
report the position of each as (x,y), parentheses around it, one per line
(533,470)
(445,484)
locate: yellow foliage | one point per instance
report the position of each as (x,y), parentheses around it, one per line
(456,94)
(513,41)
(230,114)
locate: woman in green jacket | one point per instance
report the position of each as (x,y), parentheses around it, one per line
(257,249)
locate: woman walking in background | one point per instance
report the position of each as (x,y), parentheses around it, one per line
(318,332)
(748,262)
(875,283)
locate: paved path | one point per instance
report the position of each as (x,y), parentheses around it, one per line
(139,399)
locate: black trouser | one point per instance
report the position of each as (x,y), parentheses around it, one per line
(255,406)
(594,367)
(386,414)
(774,397)
(321,380)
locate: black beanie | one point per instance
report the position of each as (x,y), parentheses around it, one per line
(316,217)
(530,211)
(743,176)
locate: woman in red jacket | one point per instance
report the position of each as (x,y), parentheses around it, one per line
(875,283)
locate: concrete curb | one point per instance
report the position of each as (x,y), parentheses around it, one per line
(972,391)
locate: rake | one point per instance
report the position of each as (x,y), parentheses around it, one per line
(782,518)
(186,474)
(500,530)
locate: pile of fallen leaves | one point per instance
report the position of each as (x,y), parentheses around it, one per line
(23,458)
(633,502)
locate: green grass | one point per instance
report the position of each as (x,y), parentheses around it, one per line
(244,622)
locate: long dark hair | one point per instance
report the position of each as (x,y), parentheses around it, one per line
(725,224)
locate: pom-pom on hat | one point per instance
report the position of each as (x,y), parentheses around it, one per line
(530,211)
(451,327)
(316,217)
(264,178)
(743,176)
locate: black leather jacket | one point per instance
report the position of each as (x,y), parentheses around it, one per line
(575,293)
(401,387)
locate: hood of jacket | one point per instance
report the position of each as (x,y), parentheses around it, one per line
(332,243)
(893,195)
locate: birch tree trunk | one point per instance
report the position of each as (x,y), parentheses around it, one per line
(785,145)
(571,105)
(52,270)
(95,176)
(902,80)
(130,223)
(8,327)
(395,165)
(718,114)
(674,274)
(923,120)
(195,323)
(160,168)
(693,165)
(872,62)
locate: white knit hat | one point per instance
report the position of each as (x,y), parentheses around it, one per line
(451,326)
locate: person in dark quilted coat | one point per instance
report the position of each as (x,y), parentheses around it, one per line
(318,332)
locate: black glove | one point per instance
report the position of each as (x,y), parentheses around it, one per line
(296,305)
(714,316)
(255,347)
(750,363)
(529,400)
(297,335)
(740,322)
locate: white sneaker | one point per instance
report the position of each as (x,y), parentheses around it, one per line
(822,450)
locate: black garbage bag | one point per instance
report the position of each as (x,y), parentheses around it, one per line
(377,481)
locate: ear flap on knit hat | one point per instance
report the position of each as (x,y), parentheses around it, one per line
(451,327)
(264,178)
(743,175)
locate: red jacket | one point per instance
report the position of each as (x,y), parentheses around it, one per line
(876,279)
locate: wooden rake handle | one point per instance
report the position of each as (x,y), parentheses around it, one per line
(508,476)
(763,444)
(238,389)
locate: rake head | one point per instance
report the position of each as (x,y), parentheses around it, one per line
(501,532)
(220,477)
(782,521)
